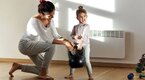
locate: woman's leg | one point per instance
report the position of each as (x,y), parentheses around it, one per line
(15,66)
(42,64)
(47,59)
(35,69)
(87,60)
(37,60)
(33,50)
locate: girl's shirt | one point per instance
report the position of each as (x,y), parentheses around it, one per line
(36,31)
(81,30)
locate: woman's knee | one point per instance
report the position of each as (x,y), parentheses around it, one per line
(53,47)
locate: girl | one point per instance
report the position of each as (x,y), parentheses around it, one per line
(80,35)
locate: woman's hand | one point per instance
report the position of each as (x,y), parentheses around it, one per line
(68,44)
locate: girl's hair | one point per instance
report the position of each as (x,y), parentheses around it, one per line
(80,10)
(45,6)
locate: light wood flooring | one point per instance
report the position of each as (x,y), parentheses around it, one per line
(58,71)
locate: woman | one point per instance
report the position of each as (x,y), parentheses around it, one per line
(36,40)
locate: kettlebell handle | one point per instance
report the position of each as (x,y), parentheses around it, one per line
(143,56)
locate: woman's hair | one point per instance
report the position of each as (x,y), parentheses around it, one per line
(80,10)
(45,6)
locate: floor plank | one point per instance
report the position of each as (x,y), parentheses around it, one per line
(58,71)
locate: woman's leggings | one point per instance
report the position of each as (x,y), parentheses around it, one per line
(87,60)
(33,50)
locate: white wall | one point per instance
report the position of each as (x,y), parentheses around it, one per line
(14,15)
(129,16)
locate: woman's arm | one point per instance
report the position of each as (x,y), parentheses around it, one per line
(65,42)
(53,30)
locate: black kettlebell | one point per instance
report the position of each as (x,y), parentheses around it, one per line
(77,59)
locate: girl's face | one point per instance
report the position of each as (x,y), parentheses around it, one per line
(82,17)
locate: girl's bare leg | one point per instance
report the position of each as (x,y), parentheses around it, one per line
(90,77)
(69,77)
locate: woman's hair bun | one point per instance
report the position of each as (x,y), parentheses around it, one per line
(80,7)
(42,1)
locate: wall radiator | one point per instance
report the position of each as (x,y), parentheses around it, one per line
(107,44)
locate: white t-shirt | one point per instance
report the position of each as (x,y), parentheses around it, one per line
(36,31)
(82,30)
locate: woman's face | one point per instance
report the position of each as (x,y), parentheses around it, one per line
(82,17)
(49,16)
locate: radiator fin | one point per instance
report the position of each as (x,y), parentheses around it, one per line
(115,34)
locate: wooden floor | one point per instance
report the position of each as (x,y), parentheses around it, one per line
(58,71)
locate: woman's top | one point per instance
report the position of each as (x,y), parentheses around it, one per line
(36,31)
(81,30)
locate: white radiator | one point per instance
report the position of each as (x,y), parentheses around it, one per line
(108,44)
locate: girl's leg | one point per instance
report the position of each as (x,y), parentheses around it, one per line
(87,59)
(70,76)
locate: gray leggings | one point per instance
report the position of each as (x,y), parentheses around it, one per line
(87,60)
(33,50)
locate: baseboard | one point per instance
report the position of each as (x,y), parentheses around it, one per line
(9,60)
(98,64)
(118,65)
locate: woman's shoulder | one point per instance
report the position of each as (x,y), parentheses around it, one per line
(33,20)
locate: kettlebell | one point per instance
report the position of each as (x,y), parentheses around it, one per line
(77,59)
